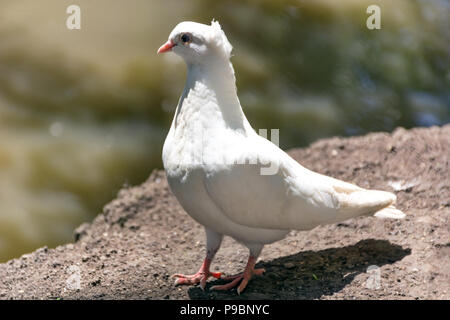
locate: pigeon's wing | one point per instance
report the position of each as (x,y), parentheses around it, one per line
(278,193)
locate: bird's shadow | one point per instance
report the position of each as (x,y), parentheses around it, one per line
(311,274)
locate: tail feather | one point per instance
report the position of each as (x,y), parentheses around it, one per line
(390,212)
(367,202)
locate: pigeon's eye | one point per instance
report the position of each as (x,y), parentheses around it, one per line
(185,38)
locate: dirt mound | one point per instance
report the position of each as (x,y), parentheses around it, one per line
(144,236)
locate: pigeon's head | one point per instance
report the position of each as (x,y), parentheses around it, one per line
(195,42)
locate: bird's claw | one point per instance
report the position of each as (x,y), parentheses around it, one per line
(245,277)
(198,278)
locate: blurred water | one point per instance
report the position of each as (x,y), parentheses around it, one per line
(83,112)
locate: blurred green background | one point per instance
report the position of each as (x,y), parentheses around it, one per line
(83,112)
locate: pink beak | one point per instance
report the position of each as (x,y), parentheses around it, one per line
(166,47)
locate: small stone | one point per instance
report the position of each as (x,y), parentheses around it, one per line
(289,265)
(81,231)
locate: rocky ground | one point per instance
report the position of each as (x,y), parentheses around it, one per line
(143,236)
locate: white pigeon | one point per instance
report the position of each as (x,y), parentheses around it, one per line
(233,181)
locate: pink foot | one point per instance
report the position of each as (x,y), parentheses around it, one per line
(248,273)
(200,277)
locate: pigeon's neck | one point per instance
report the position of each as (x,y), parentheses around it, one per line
(210,94)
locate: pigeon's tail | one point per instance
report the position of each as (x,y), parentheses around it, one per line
(369,202)
(390,212)
(383,204)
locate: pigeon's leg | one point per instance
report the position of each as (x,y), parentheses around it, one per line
(213,241)
(255,250)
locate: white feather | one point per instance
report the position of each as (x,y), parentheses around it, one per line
(390,213)
(210,140)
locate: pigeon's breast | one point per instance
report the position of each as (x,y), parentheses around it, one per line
(188,177)
(189,189)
